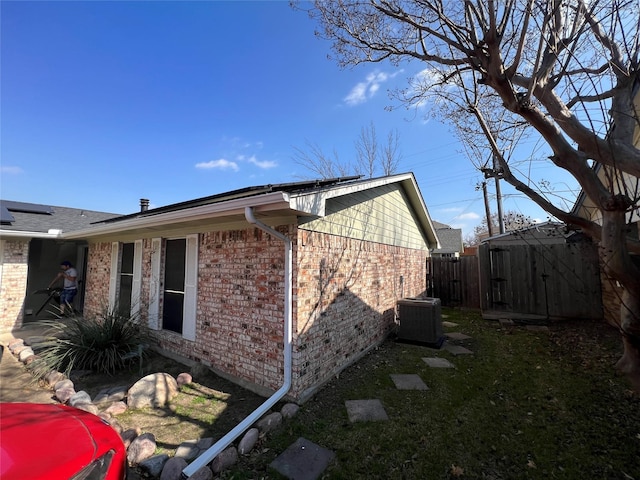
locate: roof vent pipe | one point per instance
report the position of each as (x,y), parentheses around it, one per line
(208,455)
(144,204)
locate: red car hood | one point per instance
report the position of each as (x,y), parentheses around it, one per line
(39,441)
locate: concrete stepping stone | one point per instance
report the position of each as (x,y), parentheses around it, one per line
(437,362)
(303,460)
(408,381)
(366,411)
(457,336)
(448,324)
(457,350)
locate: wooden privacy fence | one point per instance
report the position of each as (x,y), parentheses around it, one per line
(540,281)
(455,281)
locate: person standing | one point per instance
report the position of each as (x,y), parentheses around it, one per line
(69,287)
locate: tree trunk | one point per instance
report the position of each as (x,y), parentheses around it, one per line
(629,363)
(624,268)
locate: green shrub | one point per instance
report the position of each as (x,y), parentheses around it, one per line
(104,344)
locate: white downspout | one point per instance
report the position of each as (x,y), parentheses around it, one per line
(208,455)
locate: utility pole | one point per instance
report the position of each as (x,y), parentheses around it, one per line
(487,209)
(497,174)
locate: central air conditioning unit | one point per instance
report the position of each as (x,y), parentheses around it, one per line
(420,321)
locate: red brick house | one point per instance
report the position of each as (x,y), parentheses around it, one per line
(219,280)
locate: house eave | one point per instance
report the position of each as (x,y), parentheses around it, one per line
(270,202)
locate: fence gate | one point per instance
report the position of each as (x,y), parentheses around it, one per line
(540,281)
(454,281)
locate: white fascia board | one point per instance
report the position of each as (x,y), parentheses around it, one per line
(21,234)
(261,203)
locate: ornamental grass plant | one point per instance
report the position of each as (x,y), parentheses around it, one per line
(105,344)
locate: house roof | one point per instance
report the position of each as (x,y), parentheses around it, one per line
(450,240)
(33,220)
(273,204)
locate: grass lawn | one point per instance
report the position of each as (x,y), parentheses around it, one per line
(531,405)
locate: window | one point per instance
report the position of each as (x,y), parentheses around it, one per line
(124,283)
(126,280)
(173,299)
(173,285)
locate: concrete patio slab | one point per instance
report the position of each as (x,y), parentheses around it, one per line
(457,350)
(457,336)
(366,411)
(303,460)
(437,362)
(448,324)
(410,381)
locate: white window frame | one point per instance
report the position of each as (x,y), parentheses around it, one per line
(190,308)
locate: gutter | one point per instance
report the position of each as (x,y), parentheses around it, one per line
(217,448)
(51,234)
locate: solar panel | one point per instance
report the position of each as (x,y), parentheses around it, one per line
(26,207)
(5,215)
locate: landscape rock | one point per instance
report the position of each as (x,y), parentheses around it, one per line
(19,349)
(64,383)
(79,397)
(172,469)
(64,394)
(25,353)
(155,390)
(53,377)
(141,448)
(116,408)
(289,410)
(224,460)
(184,379)
(188,450)
(87,407)
(15,343)
(29,360)
(203,473)
(249,440)
(129,436)
(153,466)
(269,422)
(110,395)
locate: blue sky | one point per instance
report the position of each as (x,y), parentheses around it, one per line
(104,103)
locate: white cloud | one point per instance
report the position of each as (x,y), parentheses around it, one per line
(11,170)
(363,91)
(220,164)
(262,164)
(468,216)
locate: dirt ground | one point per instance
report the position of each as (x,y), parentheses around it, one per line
(209,407)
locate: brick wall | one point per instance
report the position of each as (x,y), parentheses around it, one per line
(14,258)
(346,299)
(96,297)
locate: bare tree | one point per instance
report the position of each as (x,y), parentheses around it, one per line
(511,220)
(564,72)
(372,157)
